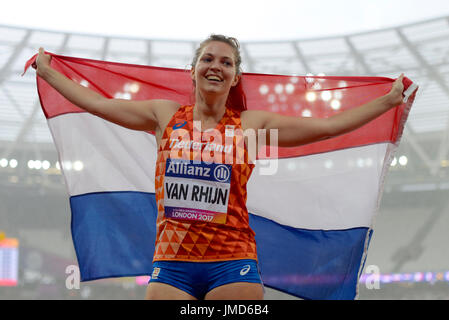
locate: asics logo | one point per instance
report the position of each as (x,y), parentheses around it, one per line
(179,125)
(245,270)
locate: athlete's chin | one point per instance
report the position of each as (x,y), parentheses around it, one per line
(214,90)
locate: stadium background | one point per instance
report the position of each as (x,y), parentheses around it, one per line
(409,245)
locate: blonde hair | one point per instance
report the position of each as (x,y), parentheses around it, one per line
(236,98)
(233,42)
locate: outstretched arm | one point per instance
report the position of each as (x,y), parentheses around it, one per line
(137,115)
(296,131)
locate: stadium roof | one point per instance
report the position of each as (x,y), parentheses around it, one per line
(420,50)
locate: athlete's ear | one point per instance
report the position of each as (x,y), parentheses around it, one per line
(236,80)
(192,73)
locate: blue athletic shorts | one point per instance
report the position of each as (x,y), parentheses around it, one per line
(198,278)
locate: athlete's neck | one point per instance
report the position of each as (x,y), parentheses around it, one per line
(209,112)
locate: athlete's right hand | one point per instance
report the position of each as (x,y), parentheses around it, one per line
(42,62)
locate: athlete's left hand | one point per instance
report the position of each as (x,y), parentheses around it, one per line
(395,95)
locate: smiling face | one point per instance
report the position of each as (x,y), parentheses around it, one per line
(215,70)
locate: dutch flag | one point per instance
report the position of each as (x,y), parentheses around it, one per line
(312,215)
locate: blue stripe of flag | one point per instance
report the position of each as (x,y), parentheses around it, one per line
(114,235)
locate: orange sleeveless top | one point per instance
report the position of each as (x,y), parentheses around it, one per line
(201,194)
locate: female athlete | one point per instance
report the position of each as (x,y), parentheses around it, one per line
(205,248)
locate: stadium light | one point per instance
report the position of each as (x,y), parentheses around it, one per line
(308,78)
(13,163)
(328,164)
(263,89)
(306,113)
(335,104)
(403,160)
(311,96)
(289,88)
(326,95)
(279,88)
(294,79)
(45,165)
(394,162)
(78,166)
(338,94)
(37,164)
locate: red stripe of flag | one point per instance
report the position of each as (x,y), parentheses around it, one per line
(285,95)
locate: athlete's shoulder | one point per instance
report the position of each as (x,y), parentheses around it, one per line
(254,119)
(164,109)
(164,105)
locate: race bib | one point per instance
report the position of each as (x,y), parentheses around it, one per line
(197,191)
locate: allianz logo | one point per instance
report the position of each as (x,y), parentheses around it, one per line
(221,172)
